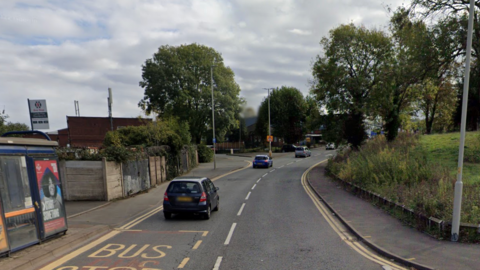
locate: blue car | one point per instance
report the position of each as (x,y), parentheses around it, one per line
(262,161)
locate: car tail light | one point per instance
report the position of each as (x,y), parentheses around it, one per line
(204,197)
(165,197)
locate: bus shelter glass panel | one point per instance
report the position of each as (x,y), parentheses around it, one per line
(3,232)
(20,220)
(49,186)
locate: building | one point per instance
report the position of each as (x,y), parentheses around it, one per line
(89,132)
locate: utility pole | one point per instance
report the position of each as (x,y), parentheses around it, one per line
(110,101)
(213,119)
(457,199)
(269,131)
(240,135)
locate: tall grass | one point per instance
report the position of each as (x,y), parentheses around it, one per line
(404,172)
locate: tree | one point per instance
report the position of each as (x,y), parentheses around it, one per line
(10,126)
(349,71)
(453,16)
(437,103)
(177,83)
(287,114)
(313,119)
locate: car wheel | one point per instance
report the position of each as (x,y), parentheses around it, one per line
(218,205)
(209,212)
(167,215)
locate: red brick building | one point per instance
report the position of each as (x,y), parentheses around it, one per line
(90,132)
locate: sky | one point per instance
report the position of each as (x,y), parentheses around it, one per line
(63,51)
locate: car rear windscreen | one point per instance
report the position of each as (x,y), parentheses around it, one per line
(184,187)
(299,149)
(261,158)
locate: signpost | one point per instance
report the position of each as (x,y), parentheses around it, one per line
(38,114)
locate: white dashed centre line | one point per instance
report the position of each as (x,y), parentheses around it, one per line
(254,186)
(272,170)
(281,166)
(217,263)
(241,209)
(230,233)
(290,163)
(259,180)
(264,175)
(248,195)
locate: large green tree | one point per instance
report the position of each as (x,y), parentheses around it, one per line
(177,83)
(287,114)
(345,76)
(453,17)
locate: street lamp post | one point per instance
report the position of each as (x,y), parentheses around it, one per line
(269,131)
(457,200)
(213,120)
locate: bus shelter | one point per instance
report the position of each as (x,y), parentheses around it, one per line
(31,198)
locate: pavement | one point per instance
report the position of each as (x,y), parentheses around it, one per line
(373,226)
(387,235)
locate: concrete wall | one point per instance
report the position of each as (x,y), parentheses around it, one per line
(105,181)
(83,180)
(113,179)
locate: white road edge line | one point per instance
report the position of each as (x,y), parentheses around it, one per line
(264,175)
(241,209)
(217,263)
(229,236)
(254,186)
(248,195)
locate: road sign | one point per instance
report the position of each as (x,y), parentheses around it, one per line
(38,113)
(308,139)
(270,138)
(214,140)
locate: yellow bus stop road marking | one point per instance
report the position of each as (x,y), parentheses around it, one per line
(197,244)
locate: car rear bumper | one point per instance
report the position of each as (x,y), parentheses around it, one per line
(266,165)
(181,209)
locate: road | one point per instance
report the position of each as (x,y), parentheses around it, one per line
(267,220)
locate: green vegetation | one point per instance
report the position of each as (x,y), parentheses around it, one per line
(418,172)
(205,154)
(177,82)
(442,149)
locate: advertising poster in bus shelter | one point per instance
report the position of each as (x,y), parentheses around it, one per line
(3,233)
(53,209)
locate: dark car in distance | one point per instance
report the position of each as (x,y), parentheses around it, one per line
(288,148)
(190,194)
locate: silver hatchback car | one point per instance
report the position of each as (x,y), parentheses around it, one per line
(302,151)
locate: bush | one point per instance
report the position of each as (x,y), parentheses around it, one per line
(205,154)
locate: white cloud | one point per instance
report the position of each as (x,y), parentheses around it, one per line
(300,32)
(74,50)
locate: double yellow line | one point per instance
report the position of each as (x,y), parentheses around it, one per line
(340,229)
